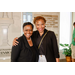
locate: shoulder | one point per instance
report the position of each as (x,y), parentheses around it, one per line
(35,33)
(20,39)
(51,32)
(20,42)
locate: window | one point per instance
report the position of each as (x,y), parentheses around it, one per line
(27,17)
(65,27)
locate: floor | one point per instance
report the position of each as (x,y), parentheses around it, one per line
(5,56)
(62,60)
(7,59)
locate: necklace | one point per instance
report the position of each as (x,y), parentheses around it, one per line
(29,40)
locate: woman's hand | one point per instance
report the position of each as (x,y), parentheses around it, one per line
(15,42)
(57,59)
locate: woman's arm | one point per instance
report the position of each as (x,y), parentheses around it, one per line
(15,52)
(55,47)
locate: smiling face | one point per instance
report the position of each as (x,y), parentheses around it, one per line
(40,25)
(28,30)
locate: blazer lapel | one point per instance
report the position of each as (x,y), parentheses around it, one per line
(45,42)
(26,42)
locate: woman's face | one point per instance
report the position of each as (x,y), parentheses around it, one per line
(28,30)
(40,25)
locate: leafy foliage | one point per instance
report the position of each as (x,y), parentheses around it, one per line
(66,51)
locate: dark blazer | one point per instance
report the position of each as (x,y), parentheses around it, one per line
(22,52)
(49,44)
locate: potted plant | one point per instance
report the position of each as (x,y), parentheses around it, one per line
(67,51)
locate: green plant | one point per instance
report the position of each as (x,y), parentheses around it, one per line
(66,49)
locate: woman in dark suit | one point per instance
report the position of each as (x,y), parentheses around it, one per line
(25,51)
(48,48)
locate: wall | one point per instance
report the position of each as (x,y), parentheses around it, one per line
(14,29)
(62,56)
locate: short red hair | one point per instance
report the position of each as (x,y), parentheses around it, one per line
(38,18)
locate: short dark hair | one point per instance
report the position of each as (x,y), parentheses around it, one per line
(28,23)
(74,23)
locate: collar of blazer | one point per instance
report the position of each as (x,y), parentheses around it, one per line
(45,30)
(25,42)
